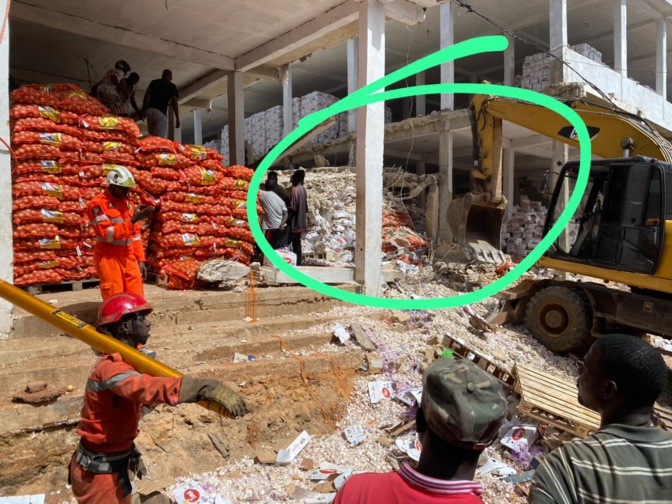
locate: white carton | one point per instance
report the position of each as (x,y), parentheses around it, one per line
(190,494)
(520,437)
(286,456)
(380,390)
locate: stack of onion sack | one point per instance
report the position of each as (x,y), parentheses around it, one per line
(108,142)
(202,214)
(50,183)
(399,238)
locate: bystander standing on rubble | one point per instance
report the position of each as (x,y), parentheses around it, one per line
(460,415)
(299,213)
(275,214)
(627,460)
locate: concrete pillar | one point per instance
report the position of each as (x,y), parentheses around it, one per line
(406,105)
(558,38)
(198,126)
(6,247)
(421,169)
(661,59)
(353,78)
(621,37)
(370,144)
(508,179)
(509,63)
(432,211)
(420,100)
(446,182)
(236,97)
(287,110)
(447,39)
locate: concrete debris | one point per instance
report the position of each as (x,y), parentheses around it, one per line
(360,336)
(375,363)
(40,395)
(222,271)
(340,333)
(36,386)
(400,317)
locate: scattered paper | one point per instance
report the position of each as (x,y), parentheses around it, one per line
(494,466)
(190,494)
(411,397)
(355,435)
(307,497)
(286,456)
(380,390)
(341,333)
(410,446)
(520,437)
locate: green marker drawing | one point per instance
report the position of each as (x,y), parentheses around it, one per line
(373,93)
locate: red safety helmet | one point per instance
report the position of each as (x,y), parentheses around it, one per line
(113,308)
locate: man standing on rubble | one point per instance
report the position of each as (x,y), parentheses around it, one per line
(298,209)
(461,411)
(118,254)
(627,460)
(106,459)
(275,214)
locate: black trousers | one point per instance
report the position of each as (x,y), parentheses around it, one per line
(296,247)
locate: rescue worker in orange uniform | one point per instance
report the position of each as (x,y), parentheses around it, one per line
(106,459)
(119,256)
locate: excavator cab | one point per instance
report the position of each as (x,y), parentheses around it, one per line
(620,222)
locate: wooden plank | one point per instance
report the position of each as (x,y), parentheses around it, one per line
(72,285)
(554,401)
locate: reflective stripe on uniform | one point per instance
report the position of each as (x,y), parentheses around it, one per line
(110,234)
(137,238)
(115,220)
(99,386)
(114,242)
(100,218)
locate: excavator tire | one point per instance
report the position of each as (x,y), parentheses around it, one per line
(560,318)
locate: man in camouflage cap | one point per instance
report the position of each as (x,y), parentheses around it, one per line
(461,411)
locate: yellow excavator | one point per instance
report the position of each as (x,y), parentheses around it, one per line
(623,225)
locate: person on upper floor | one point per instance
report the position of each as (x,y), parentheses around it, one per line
(161,93)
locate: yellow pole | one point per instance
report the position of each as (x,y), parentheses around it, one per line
(88,334)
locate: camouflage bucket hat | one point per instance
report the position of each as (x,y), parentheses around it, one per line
(462,404)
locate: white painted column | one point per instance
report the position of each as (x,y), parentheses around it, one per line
(236,99)
(370,144)
(508,179)
(198,126)
(509,63)
(446,181)
(6,250)
(661,59)
(447,39)
(420,100)
(353,78)
(287,107)
(621,37)
(558,38)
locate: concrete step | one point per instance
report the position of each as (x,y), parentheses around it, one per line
(17,418)
(175,308)
(63,361)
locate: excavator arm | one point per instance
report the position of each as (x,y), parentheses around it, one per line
(475,219)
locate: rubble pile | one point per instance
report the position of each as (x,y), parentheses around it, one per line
(331,222)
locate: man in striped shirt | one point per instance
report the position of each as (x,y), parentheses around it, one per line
(461,411)
(627,460)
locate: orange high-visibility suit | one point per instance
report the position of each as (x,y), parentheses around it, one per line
(115,393)
(118,247)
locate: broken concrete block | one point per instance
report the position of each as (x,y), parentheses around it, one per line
(430,354)
(307,464)
(43,396)
(375,362)
(222,271)
(385,440)
(265,456)
(400,317)
(36,386)
(361,337)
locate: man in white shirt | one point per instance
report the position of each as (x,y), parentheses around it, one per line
(275,214)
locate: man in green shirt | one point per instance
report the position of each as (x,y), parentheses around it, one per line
(627,460)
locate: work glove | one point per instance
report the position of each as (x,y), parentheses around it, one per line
(143,270)
(142,213)
(196,389)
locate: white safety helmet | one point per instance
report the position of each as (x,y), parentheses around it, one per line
(120,176)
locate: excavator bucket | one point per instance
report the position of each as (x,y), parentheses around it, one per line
(476,225)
